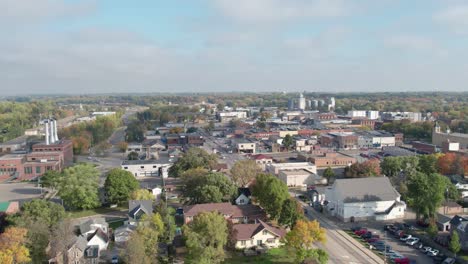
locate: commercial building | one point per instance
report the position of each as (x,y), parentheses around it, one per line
(398,116)
(275,168)
(300,178)
(332,159)
(147,168)
(227,116)
(438,137)
(245,146)
(361,199)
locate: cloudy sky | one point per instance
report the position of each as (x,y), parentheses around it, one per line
(112,46)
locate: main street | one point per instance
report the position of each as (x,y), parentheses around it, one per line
(340,246)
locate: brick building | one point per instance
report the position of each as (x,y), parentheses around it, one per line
(332,159)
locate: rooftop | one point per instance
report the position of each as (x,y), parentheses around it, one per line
(364,190)
(12,157)
(296,172)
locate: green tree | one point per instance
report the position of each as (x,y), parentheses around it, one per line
(301,239)
(133,156)
(119,185)
(150,228)
(199,186)
(244,171)
(205,238)
(270,193)
(291,211)
(78,187)
(142,194)
(428,164)
(426,193)
(288,141)
(135,252)
(454,244)
(193,158)
(391,166)
(43,211)
(329,174)
(50,179)
(168,216)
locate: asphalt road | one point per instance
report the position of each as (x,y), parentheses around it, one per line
(340,246)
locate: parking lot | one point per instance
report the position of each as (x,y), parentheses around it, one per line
(393,243)
(19,191)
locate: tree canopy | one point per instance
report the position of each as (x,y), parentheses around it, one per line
(40,210)
(367,168)
(300,241)
(328,173)
(78,187)
(205,238)
(201,186)
(142,194)
(244,171)
(193,158)
(270,193)
(12,246)
(119,185)
(288,141)
(291,211)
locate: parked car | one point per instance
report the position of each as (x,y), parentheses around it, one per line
(372,239)
(356,228)
(449,261)
(432,253)
(360,232)
(402,260)
(426,249)
(413,241)
(396,255)
(115,260)
(368,234)
(404,238)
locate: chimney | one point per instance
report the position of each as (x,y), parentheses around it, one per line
(46,126)
(55,131)
(51,132)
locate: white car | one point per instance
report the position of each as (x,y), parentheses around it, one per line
(405,237)
(433,252)
(412,241)
(426,249)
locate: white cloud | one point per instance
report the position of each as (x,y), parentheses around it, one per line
(258,11)
(455,17)
(23,12)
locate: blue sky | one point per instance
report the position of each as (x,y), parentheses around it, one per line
(111,46)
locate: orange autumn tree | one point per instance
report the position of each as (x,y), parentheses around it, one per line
(12,246)
(300,240)
(451,163)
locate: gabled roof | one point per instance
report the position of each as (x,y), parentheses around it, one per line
(244,191)
(456,220)
(247,231)
(86,226)
(364,190)
(101,235)
(442,219)
(80,243)
(136,207)
(261,157)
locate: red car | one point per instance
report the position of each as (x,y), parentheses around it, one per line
(360,232)
(372,239)
(402,261)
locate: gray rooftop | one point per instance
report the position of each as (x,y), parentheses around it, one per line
(364,190)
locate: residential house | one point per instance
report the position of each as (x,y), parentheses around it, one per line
(99,239)
(138,208)
(234,213)
(122,234)
(258,234)
(243,196)
(89,227)
(75,252)
(372,198)
(460,225)
(443,222)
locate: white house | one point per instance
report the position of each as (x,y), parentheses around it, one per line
(260,234)
(123,233)
(364,199)
(243,196)
(145,168)
(99,239)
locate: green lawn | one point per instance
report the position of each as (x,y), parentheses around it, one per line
(276,256)
(116,224)
(90,212)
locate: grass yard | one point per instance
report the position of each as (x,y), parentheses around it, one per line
(275,255)
(116,224)
(96,211)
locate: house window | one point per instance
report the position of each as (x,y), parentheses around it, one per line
(259,242)
(142,167)
(38,170)
(27,170)
(243,243)
(241,201)
(125,168)
(154,167)
(265,232)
